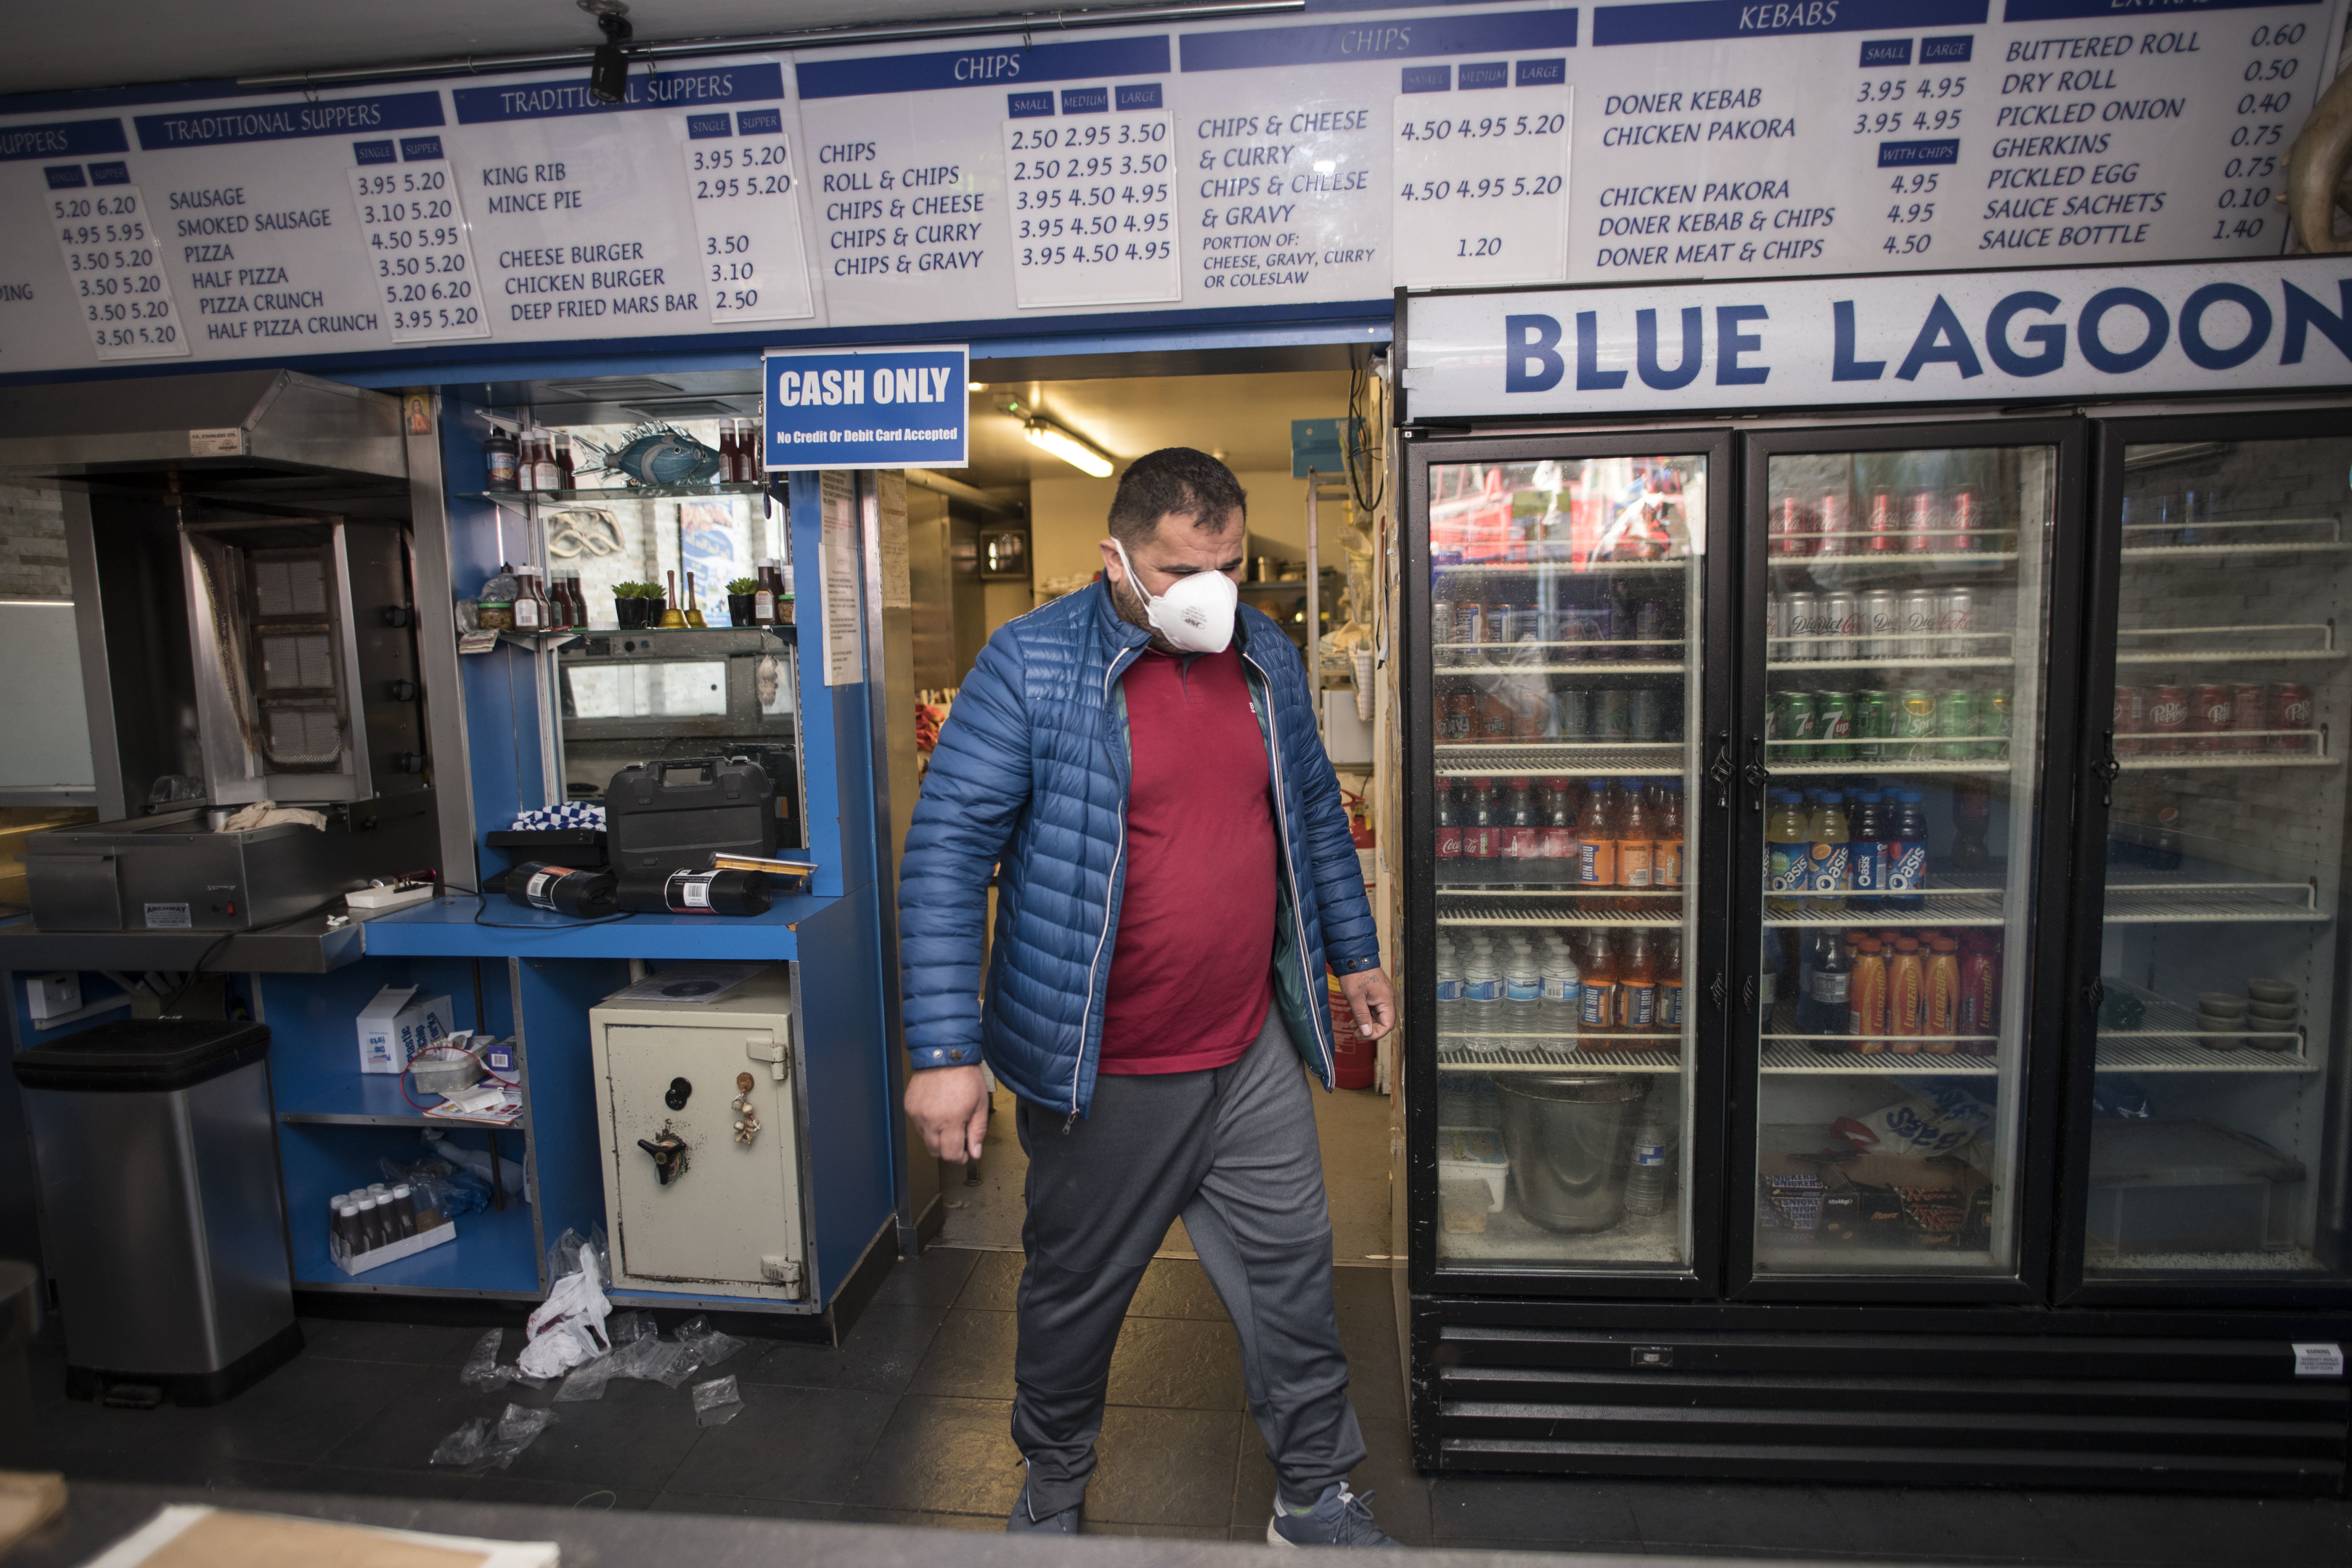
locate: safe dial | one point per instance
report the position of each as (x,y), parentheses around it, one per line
(679,1090)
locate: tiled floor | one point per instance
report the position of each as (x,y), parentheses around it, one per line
(906,1422)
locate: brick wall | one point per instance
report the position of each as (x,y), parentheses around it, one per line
(32,544)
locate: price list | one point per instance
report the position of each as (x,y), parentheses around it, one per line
(112,256)
(419,248)
(1480,185)
(1094,209)
(747,215)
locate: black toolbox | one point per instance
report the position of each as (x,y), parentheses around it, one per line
(675,815)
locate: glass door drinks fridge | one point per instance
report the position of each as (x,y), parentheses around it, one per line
(1562,966)
(2205,1140)
(1890,869)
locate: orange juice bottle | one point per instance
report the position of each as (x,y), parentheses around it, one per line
(1907,997)
(1941,994)
(1597,1005)
(1666,861)
(1866,999)
(1637,984)
(1596,838)
(1637,849)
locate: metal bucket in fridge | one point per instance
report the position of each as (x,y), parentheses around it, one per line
(1568,1136)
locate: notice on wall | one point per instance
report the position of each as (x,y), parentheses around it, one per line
(1266,165)
(845,644)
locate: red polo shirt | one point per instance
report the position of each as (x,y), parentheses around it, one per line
(1192,973)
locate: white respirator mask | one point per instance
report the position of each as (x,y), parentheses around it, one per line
(1196,615)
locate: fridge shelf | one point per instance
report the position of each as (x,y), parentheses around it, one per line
(1559,568)
(2322,637)
(1896,561)
(2177,1050)
(2233,656)
(1956,907)
(1581,667)
(1651,758)
(2137,902)
(1933,662)
(2176,762)
(1518,916)
(1989,767)
(1526,1053)
(1784,1057)
(2205,552)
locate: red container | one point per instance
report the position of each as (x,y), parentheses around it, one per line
(2250,710)
(1923,523)
(1790,531)
(1834,524)
(2167,718)
(1882,529)
(2131,718)
(2209,713)
(1965,523)
(1353,1058)
(2290,709)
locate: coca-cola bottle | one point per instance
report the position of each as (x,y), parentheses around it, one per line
(1482,834)
(1449,834)
(2164,845)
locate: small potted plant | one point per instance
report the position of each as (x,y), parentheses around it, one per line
(631,604)
(742,600)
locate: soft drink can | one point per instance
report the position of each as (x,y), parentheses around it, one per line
(1833,523)
(1994,723)
(1648,715)
(1834,723)
(1789,531)
(1575,631)
(2250,710)
(1530,711)
(1873,722)
(2167,718)
(1519,625)
(2209,714)
(1461,718)
(1920,611)
(1572,709)
(1441,620)
(1915,726)
(2290,709)
(1882,529)
(1776,617)
(1496,628)
(1957,618)
(1649,623)
(1469,621)
(1923,522)
(1841,620)
(1605,618)
(1793,718)
(1800,624)
(1882,622)
(1963,519)
(1956,716)
(2130,718)
(1493,720)
(1613,716)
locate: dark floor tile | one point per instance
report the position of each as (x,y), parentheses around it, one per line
(916,1519)
(933,1279)
(1163,1466)
(1177,1363)
(500,1486)
(1937,1521)
(1398,1494)
(1247,1534)
(231,1474)
(805,1444)
(880,1355)
(1153,1531)
(403,1434)
(1530,1510)
(298,1415)
(743,1506)
(355,1480)
(1366,1298)
(947,1456)
(1674,1516)
(405,1345)
(994,1283)
(1177,1288)
(2279,1533)
(970,1357)
(633,1440)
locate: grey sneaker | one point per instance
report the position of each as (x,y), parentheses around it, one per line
(1340,1519)
(1023,1523)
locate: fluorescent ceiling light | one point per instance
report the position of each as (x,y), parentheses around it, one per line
(975,386)
(1067,448)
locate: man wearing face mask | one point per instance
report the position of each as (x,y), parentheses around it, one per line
(1139,764)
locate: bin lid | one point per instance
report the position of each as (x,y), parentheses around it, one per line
(142,1054)
(1587,1089)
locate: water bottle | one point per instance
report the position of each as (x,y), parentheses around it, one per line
(1562,996)
(1522,998)
(1649,1174)
(1449,997)
(1482,999)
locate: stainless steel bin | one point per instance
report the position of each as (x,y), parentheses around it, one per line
(160,1217)
(1567,1137)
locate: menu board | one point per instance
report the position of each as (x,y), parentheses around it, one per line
(1255,167)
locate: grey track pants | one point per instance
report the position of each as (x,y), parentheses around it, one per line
(1234,1152)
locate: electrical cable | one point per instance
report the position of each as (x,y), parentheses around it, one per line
(1360,391)
(205,962)
(483,902)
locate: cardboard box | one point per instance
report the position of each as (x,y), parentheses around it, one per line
(398,1023)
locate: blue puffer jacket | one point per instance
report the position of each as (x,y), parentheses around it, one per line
(1032,772)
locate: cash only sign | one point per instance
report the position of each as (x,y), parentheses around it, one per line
(2198,328)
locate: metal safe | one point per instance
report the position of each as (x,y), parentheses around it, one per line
(700,1111)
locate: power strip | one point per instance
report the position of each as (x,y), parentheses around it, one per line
(376,900)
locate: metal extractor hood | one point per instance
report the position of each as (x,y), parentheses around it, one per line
(266,433)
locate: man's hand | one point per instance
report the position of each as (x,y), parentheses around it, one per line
(1372,1001)
(948,1106)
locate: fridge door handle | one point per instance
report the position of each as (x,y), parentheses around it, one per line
(2107,768)
(1717,990)
(1756,772)
(1719,771)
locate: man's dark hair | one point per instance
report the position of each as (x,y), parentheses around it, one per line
(1175,481)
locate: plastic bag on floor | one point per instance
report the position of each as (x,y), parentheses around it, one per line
(478,1445)
(564,1257)
(669,1364)
(716,1403)
(567,1328)
(711,1347)
(629,1328)
(586,1381)
(482,1369)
